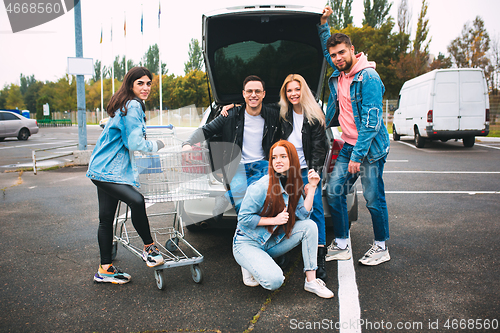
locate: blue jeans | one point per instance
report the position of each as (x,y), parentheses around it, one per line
(258,258)
(318,214)
(246,174)
(341,182)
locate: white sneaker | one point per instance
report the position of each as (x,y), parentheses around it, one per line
(152,256)
(336,253)
(375,256)
(318,287)
(248,278)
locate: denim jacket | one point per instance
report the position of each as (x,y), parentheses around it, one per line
(113,157)
(252,206)
(366,90)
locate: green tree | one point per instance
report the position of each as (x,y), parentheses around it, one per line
(151,60)
(97,71)
(3,96)
(26,81)
(441,62)
(119,67)
(15,98)
(469,50)
(195,61)
(404,21)
(341,16)
(495,63)
(404,17)
(31,96)
(377,14)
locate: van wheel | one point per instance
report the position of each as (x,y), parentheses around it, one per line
(469,141)
(395,135)
(419,140)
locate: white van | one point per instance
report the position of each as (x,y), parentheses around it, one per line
(443,104)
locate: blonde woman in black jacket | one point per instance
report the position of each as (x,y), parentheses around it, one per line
(303,124)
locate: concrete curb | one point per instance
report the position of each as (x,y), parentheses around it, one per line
(81,157)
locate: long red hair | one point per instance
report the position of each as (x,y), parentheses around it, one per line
(275,203)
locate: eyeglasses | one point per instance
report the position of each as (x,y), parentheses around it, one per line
(251,92)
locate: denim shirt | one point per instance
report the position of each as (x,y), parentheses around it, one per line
(366,92)
(113,157)
(251,207)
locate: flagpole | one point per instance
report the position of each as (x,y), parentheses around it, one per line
(112,60)
(125,34)
(159,58)
(102,88)
(142,29)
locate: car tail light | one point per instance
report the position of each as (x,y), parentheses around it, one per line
(487,114)
(334,153)
(429,116)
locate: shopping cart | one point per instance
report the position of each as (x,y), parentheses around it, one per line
(168,175)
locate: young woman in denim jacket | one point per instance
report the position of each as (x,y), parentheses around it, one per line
(113,170)
(273,219)
(303,124)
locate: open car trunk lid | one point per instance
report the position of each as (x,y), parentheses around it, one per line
(268,41)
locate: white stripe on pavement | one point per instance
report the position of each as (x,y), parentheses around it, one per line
(28,145)
(443,192)
(349,309)
(442,172)
(479,144)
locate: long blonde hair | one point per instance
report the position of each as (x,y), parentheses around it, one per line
(310,107)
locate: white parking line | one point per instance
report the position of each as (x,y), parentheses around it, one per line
(446,151)
(349,309)
(479,144)
(441,172)
(28,145)
(439,192)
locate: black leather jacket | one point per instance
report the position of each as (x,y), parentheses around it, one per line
(314,141)
(225,135)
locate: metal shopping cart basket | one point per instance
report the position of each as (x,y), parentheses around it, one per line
(168,175)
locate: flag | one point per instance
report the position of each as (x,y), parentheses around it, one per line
(125,26)
(142,31)
(111,30)
(159,12)
(101,35)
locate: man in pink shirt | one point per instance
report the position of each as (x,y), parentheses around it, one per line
(355,103)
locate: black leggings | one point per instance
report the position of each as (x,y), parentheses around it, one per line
(108,195)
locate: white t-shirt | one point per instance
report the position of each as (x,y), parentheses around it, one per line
(296,137)
(253,132)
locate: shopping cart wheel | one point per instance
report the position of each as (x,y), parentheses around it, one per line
(114,250)
(160,281)
(196,273)
(171,244)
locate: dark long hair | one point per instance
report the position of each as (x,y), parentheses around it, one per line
(124,94)
(275,203)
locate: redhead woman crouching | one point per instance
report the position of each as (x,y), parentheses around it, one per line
(273,219)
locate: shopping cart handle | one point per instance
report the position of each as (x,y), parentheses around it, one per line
(170,127)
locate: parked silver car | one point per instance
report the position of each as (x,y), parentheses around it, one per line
(269,41)
(15,125)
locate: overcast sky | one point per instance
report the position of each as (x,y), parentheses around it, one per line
(43,50)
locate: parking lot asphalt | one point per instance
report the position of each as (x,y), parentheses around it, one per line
(444,270)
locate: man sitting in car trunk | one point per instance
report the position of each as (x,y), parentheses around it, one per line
(248,132)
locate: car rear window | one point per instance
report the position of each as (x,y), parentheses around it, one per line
(268,45)
(273,61)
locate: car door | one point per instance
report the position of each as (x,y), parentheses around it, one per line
(11,124)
